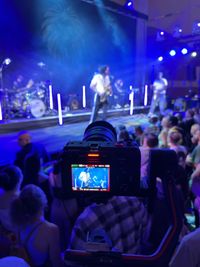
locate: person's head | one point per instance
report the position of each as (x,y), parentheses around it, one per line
(138,130)
(24,138)
(104,70)
(179,117)
(28,206)
(150,140)
(10,178)
(153,119)
(160,74)
(195,127)
(174,138)
(123,135)
(189,114)
(195,133)
(119,83)
(165,122)
(173,121)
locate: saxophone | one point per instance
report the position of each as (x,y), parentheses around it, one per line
(107,92)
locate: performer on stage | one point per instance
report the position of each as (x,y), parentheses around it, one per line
(101,85)
(159,94)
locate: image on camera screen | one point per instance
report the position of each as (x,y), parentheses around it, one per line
(90,177)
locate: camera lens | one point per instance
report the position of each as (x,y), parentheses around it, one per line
(100,131)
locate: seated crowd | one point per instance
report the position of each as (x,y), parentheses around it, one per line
(33,214)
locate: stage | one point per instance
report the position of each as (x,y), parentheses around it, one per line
(53,136)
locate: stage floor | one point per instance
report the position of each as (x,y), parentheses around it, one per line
(53,136)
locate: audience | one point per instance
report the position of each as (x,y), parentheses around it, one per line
(22,212)
(39,237)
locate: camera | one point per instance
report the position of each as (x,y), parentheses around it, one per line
(99,165)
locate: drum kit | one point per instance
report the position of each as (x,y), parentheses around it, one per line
(29,101)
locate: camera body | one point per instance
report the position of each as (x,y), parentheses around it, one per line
(99,168)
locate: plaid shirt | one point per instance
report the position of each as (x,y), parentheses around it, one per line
(124,219)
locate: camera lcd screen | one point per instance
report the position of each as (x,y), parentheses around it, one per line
(90,177)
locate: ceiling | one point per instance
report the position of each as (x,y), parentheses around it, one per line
(166,15)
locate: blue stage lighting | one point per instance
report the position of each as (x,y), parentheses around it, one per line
(184,51)
(162,33)
(194,54)
(160,58)
(172,53)
(129,3)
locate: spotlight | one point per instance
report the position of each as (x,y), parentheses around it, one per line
(177,31)
(196,27)
(160,36)
(184,51)
(6,61)
(129,3)
(194,54)
(160,58)
(172,53)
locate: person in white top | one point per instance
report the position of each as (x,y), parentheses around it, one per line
(188,252)
(159,94)
(101,85)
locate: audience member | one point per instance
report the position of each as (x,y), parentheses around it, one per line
(154,125)
(174,142)
(194,157)
(63,211)
(138,134)
(10,181)
(38,236)
(162,137)
(188,252)
(150,140)
(124,219)
(12,261)
(30,154)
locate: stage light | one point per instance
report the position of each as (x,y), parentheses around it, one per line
(50,97)
(196,27)
(145,95)
(184,51)
(177,31)
(60,118)
(160,36)
(84,96)
(172,53)
(160,58)
(194,54)
(129,3)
